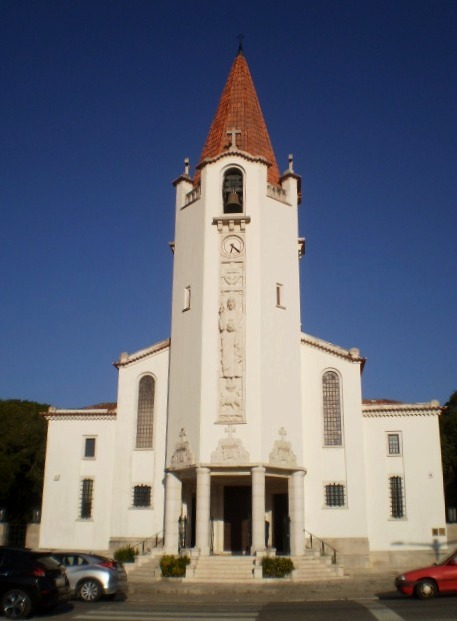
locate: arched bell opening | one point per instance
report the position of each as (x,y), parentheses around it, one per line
(232,191)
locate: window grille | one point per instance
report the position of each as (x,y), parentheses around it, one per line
(87,490)
(334,495)
(332,409)
(397,509)
(394,443)
(142,496)
(145,420)
(89,447)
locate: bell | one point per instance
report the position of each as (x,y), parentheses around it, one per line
(233,201)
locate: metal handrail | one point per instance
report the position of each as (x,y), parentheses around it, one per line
(323,546)
(153,542)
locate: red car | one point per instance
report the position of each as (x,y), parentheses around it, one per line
(428,582)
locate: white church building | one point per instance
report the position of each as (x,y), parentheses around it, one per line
(247,431)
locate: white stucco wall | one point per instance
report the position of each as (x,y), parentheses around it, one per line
(420,466)
(66,467)
(272,335)
(134,466)
(333,464)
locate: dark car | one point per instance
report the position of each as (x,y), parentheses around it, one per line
(427,582)
(92,576)
(30,581)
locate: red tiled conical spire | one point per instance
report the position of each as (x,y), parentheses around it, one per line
(239,109)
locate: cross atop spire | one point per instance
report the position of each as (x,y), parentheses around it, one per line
(239,109)
(233,134)
(240,38)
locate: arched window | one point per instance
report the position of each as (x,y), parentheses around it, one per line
(145,418)
(232,191)
(332,409)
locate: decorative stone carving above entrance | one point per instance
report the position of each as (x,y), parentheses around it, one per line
(183,455)
(282,454)
(230,450)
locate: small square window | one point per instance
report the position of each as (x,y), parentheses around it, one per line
(142,496)
(393,444)
(89,448)
(334,495)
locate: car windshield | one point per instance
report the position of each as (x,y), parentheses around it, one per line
(447,558)
(47,562)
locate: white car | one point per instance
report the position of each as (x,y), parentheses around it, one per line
(92,576)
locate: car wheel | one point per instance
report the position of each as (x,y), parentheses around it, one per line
(16,604)
(426,589)
(89,590)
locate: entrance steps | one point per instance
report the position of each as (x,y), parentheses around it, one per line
(145,568)
(226,569)
(310,568)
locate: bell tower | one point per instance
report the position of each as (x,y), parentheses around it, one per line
(234,379)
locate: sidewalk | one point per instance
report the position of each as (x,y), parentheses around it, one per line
(362,586)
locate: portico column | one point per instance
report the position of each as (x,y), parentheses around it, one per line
(203,510)
(258,510)
(297,513)
(173,487)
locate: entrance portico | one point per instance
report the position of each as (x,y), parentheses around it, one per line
(242,510)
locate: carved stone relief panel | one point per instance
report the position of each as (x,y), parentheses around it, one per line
(230,450)
(183,455)
(231,327)
(282,454)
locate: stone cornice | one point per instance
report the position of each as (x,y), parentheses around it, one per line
(102,414)
(126,359)
(232,153)
(352,354)
(401,409)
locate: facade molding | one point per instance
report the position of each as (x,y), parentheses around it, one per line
(126,359)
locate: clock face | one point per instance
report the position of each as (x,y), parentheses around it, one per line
(232,246)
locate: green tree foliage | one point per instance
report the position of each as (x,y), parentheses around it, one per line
(22,455)
(448,431)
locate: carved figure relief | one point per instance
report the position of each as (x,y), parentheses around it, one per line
(230,326)
(230,450)
(231,329)
(183,454)
(282,454)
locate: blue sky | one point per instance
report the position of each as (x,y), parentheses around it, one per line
(101,101)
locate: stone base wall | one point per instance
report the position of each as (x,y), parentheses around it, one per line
(403,560)
(451,531)
(32,537)
(354,554)
(351,552)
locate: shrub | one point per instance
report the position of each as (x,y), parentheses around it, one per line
(174,566)
(126,554)
(276,566)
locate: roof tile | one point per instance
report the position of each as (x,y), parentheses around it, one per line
(239,108)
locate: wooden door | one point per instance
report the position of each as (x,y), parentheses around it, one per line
(237,519)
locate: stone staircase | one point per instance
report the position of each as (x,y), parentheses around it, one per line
(225,569)
(221,569)
(310,568)
(145,568)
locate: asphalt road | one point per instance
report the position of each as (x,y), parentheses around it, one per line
(394,608)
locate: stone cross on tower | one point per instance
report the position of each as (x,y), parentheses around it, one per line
(233,133)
